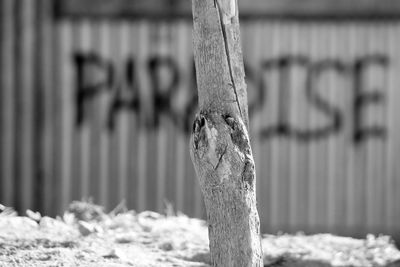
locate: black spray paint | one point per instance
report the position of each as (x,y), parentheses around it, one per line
(96,74)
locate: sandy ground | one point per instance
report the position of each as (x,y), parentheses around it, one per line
(86,236)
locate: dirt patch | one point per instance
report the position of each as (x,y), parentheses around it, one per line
(86,236)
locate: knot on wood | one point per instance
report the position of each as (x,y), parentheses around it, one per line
(220,146)
(209,149)
(241,140)
(206,139)
(239,133)
(199,132)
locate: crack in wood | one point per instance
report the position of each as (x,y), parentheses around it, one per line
(220,157)
(239,134)
(223,28)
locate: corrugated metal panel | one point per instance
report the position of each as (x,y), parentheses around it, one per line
(46,107)
(97,108)
(18,42)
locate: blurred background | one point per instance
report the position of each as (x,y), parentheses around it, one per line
(97,99)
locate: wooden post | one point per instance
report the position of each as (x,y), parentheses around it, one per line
(220,145)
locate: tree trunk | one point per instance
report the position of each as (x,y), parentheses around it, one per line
(220,145)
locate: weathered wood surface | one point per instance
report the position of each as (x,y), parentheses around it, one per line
(220,144)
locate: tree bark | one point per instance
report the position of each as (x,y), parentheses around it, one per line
(220,145)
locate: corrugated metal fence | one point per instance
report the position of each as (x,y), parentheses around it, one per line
(102,108)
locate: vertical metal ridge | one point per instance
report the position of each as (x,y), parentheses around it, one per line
(163,140)
(343,94)
(123,121)
(92,111)
(161,175)
(313,158)
(319,35)
(276,176)
(388,187)
(173,128)
(375,115)
(293,117)
(266,117)
(333,184)
(46,134)
(331,151)
(381,213)
(352,211)
(133,130)
(85,44)
(361,152)
(282,145)
(392,215)
(150,110)
(142,139)
(395,131)
(297,115)
(370,196)
(109,36)
(8,121)
(103,47)
(64,80)
(183,53)
(25,101)
(181,157)
(171,35)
